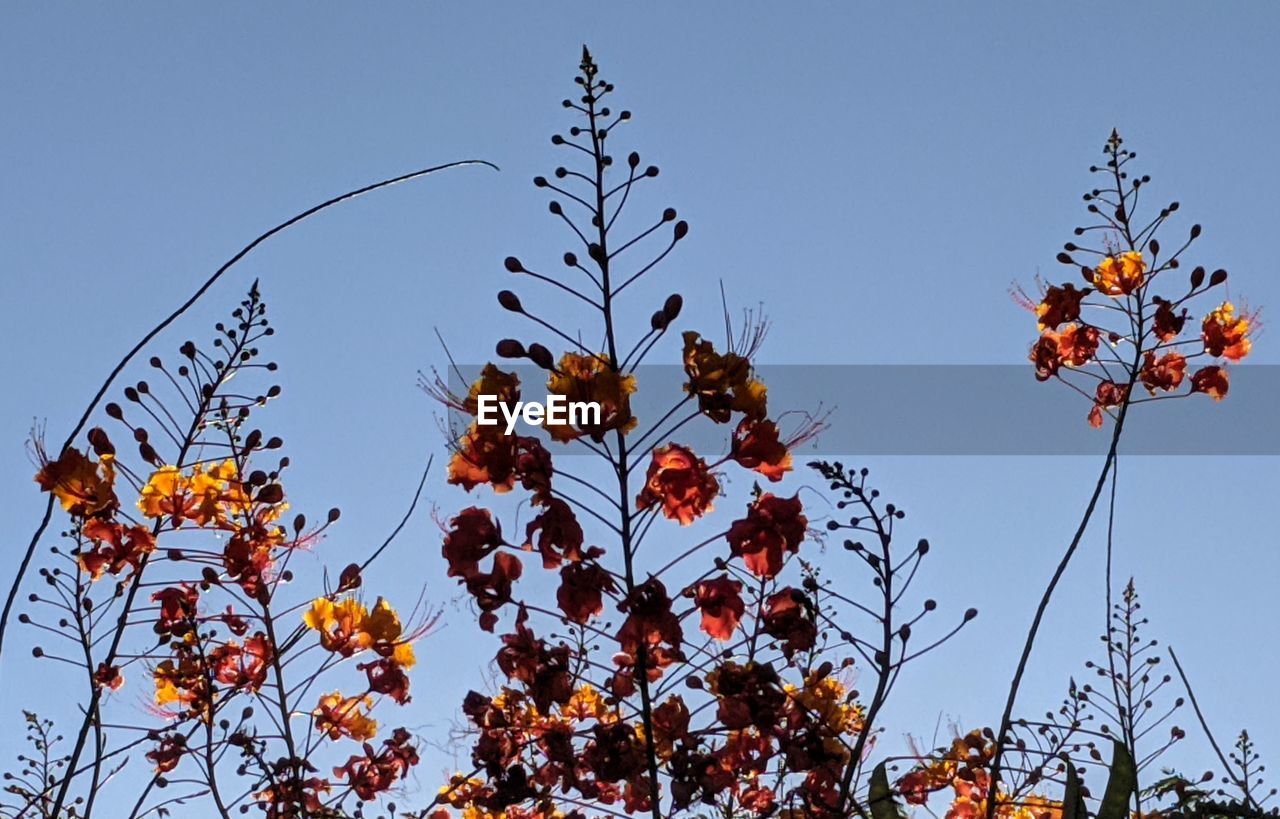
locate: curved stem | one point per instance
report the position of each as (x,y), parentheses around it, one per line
(172,317)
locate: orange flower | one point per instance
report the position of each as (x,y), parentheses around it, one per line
(681,481)
(82,486)
(1060,305)
(1165,373)
(1074,346)
(722,383)
(493,381)
(339,716)
(588,378)
(588,704)
(720,601)
(1212,381)
(1120,276)
(773,526)
(756,445)
(1226,334)
(292,797)
(670,725)
(485,455)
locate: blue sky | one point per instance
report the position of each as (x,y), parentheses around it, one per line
(875,176)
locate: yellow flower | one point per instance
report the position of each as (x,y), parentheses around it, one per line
(347,627)
(825,698)
(319,615)
(587,378)
(403,655)
(587,703)
(165,493)
(382,624)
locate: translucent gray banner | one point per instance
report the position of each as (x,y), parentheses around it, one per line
(948,409)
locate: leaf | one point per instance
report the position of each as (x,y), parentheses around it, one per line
(1072,801)
(881,797)
(1120,785)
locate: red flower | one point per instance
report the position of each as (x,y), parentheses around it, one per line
(387,677)
(749,695)
(1060,305)
(243,667)
(1168,324)
(581,592)
(788,617)
(472,538)
(108,676)
(720,601)
(177,609)
(559,535)
(374,773)
(681,482)
(167,753)
(651,627)
(756,445)
(248,557)
(492,590)
(1165,373)
(1212,381)
(543,669)
(1109,394)
(772,527)
(114,547)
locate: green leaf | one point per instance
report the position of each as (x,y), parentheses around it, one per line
(1120,785)
(881,797)
(1072,800)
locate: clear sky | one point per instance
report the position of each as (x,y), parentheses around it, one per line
(875,175)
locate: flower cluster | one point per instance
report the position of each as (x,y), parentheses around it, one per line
(197,564)
(654,684)
(964,768)
(1117,331)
